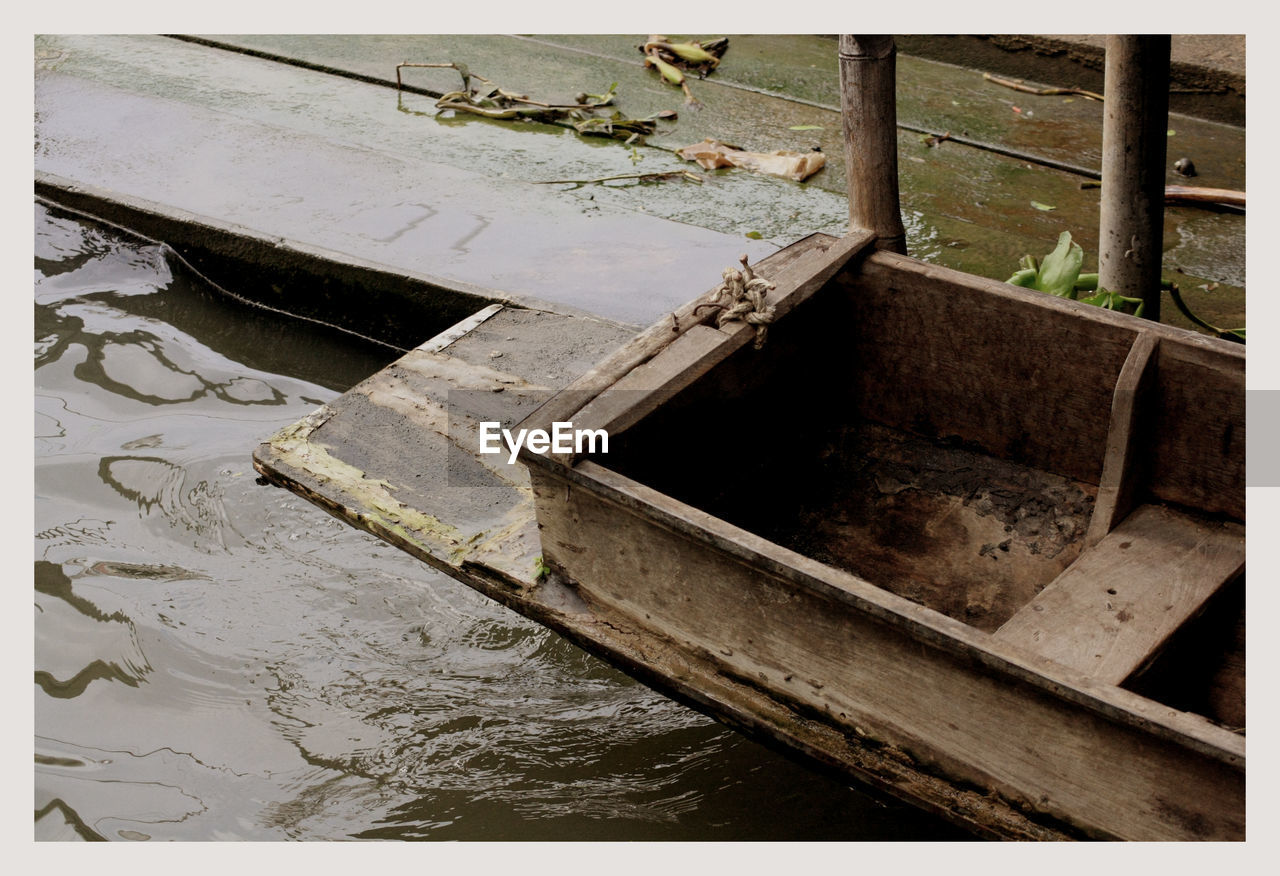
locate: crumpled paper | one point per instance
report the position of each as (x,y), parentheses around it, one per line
(711,154)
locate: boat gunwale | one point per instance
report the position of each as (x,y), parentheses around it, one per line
(1184,344)
(1112,319)
(1188,729)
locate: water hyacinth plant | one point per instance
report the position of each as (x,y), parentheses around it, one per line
(1059,274)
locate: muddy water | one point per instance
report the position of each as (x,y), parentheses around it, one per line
(216,659)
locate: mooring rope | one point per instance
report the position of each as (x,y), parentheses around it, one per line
(169,250)
(741,298)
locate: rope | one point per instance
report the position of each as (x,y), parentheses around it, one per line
(741,298)
(177,256)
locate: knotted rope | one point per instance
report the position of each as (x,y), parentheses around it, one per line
(741,298)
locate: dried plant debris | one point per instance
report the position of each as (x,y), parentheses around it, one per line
(673,60)
(658,176)
(711,154)
(619,127)
(481,97)
(1019,85)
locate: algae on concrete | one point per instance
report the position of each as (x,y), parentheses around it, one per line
(964,207)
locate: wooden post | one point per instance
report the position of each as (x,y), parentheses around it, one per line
(1134,131)
(867,81)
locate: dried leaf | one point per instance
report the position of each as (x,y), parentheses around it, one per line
(711,154)
(615,126)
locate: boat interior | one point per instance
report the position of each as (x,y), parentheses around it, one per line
(1070,483)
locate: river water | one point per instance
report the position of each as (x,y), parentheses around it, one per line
(215,659)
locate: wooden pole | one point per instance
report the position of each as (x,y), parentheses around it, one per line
(1134,131)
(867,81)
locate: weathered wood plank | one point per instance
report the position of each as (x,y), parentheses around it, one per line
(1030,377)
(947,701)
(1116,606)
(1123,466)
(457,330)
(943,353)
(698,681)
(646,387)
(1198,430)
(523,337)
(919,622)
(798,271)
(397,455)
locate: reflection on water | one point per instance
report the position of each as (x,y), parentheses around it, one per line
(215,659)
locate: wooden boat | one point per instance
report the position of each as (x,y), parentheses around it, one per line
(975,546)
(959,537)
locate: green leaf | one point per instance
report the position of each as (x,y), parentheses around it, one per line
(1040,206)
(805,128)
(1061,268)
(1025,277)
(755,235)
(1172,132)
(1086,282)
(1115,301)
